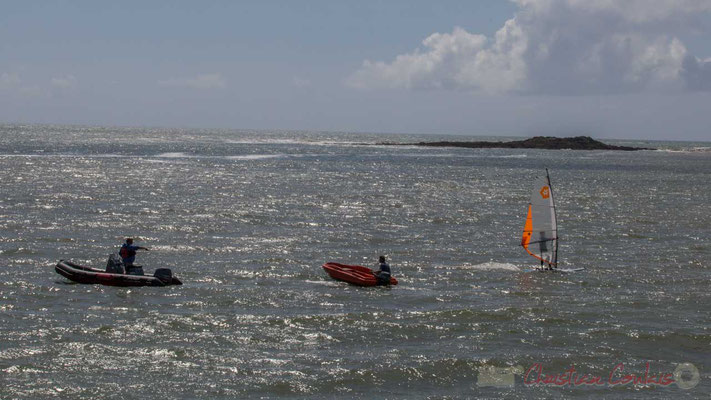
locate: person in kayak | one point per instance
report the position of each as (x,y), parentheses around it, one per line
(383,275)
(128,255)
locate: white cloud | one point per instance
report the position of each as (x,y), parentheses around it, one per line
(557,47)
(9,80)
(202,81)
(300,82)
(12,84)
(34,91)
(64,82)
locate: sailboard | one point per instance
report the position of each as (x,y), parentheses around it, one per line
(540,233)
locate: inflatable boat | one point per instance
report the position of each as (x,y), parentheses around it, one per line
(355,274)
(81,274)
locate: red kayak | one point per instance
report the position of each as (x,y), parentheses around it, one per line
(355,274)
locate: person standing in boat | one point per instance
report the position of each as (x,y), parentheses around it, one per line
(128,255)
(383,274)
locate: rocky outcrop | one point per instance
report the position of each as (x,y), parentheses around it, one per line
(538,142)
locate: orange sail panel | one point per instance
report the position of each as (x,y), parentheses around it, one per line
(527,230)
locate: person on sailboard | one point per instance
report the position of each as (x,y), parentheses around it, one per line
(383,275)
(128,255)
(547,266)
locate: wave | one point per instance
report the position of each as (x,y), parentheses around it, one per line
(699,149)
(48,155)
(511,156)
(239,157)
(167,155)
(323,283)
(256,156)
(487,266)
(174,155)
(183,155)
(454,155)
(291,141)
(245,157)
(440,155)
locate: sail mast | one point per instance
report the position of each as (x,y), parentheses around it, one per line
(554,259)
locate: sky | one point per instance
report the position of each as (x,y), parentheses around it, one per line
(633,69)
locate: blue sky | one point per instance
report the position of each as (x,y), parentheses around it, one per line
(634,69)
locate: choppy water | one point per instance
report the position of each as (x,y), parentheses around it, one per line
(246,219)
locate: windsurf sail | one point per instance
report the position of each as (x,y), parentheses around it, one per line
(540,234)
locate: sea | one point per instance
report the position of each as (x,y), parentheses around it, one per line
(246,219)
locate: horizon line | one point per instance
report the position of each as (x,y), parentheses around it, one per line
(284,130)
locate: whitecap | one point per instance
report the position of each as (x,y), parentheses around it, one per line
(256,156)
(488,266)
(511,156)
(700,149)
(174,155)
(290,141)
(324,283)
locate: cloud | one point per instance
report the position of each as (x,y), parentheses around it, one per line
(635,11)
(697,73)
(202,81)
(557,47)
(34,91)
(63,82)
(9,80)
(12,84)
(300,82)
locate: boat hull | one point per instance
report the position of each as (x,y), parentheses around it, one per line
(82,274)
(353,274)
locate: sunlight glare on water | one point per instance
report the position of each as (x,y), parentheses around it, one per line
(246,219)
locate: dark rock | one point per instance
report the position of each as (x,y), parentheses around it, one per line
(538,142)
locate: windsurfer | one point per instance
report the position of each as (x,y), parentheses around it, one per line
(540,233)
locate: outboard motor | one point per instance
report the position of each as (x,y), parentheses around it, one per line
(165,275)
(114,265)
